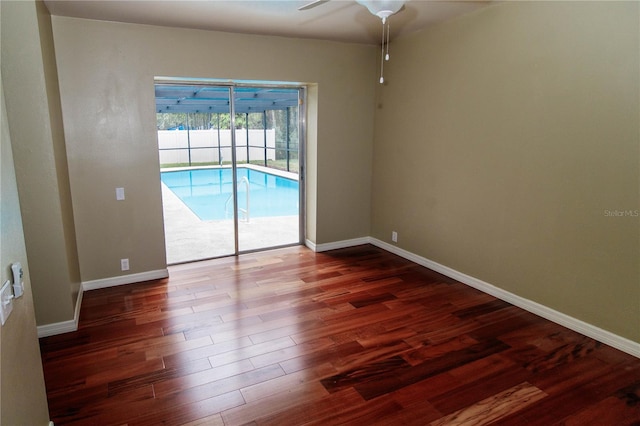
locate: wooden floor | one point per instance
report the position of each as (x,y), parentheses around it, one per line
(352,336)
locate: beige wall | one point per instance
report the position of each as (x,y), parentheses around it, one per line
(23,399)
(33,110)
(59,148)
(106,75)
(503,139)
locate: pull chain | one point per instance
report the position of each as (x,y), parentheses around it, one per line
(386,58)
(382,52)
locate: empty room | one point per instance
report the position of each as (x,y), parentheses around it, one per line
(320,212)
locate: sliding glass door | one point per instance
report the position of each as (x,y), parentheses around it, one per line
(231,163)
(267,166)
(196,175)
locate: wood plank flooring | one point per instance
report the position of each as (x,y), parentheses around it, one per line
(351,336)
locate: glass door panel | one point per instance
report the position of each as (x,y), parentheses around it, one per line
(195,150)
(267,172)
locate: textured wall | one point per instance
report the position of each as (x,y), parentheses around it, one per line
(506,139)
(33,110)
(106,78)
(23,399)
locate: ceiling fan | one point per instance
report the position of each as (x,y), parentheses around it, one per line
(383,9)
(380,8)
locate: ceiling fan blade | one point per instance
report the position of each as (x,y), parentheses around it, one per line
(312,4)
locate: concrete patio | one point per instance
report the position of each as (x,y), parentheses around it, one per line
(188,238)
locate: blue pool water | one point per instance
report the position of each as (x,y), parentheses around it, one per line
(206,191)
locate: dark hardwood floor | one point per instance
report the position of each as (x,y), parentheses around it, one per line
(352,336)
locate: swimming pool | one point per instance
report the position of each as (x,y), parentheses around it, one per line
(206,191)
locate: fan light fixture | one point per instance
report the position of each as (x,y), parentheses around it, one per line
(383,9)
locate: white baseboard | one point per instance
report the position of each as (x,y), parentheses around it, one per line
(64,326)
(606,337)
(76,314)
(589,330)
(310,245)
(125,279)
(72,325)
(57,328)
(338,244)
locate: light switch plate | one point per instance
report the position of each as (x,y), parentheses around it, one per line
(6,301)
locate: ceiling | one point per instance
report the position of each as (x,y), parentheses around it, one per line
(338,20)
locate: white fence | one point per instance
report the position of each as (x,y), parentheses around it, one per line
(201,146)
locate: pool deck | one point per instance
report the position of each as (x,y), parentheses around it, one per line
(269,170)
(188,238)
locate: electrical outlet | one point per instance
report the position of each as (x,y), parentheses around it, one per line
(6,301)
(124,264)
(394,236)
